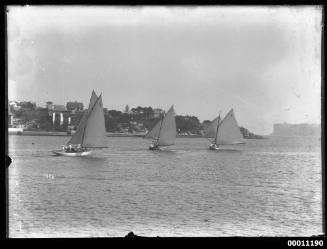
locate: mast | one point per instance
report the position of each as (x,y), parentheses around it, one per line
(88,117)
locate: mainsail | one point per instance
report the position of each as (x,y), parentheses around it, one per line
(228,130)
(165,130)
(77,138)
(91,129)
(211,130)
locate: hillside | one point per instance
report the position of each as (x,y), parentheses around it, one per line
(291,130)
(249,135)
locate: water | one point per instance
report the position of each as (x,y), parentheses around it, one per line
(266,187)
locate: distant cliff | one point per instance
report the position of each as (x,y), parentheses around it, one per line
(295,130)
(249,135)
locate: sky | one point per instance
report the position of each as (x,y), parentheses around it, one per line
(264,62)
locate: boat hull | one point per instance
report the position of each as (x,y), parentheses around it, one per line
(72,154)
(154,148)
(214,147)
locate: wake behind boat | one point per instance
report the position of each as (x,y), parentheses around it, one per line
(224,132)
(91,132)
(164,132)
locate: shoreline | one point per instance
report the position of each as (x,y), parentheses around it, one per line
(65,134)
(108,134)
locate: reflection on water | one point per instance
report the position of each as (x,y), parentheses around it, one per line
(165,151)
(90,159)
(268,187)
(223,150)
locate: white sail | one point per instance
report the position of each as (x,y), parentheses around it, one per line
(91,129)
(154,133)
(95,130)
(211,130)
(228,130)
(165,130)
(167,134)
(77,138)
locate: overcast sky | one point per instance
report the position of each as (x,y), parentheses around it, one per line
(265,62)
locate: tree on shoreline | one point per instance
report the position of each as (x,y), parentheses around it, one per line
(188,124)
(126,109)
(134,119)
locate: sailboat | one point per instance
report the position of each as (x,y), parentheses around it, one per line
(164,132)
(224,132)
(90,133)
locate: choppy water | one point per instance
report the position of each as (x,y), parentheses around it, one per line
(266,187)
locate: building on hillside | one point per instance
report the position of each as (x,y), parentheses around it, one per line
(17,122)
(138,127)
(74,118)
(49,105)
(56,108)
(123,127)
(59,117)
(27,106)
(77,106)
(59,108)
(157,112)
(13,106)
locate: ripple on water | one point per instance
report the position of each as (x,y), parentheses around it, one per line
(262,188)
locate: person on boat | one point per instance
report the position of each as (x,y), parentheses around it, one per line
(153,146)
(213,146)
(65,148)
(79,148)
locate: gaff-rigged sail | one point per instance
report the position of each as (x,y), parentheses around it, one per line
(77,138)
(165,130)
(154,133)
(91,129)
(95,130)
(228,130)
(211,130)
